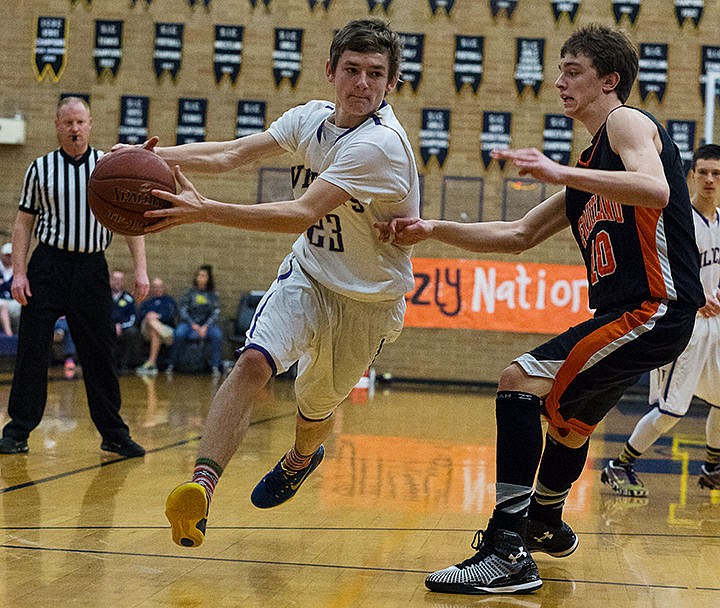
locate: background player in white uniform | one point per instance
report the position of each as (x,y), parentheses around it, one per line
(697,370)
(339,296)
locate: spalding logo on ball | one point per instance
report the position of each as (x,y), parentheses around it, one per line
(120,185)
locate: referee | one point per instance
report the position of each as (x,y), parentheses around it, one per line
(67,275)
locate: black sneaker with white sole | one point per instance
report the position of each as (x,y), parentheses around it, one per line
(502,564)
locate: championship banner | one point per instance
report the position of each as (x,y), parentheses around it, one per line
(435,135)
(468,66)
(50,43)
(250,118)
(192,115)
(436,5)
(497,296)
(108,46)
(503,5)
(148,2)
(682,132)
(529,59)
(557,138)
(710,62)
(495,134)
(325,3)
(134,111)
(411,61)
(227,52)
(569,7)
(167,56)
(254,3)
(287,55)
(652,76)
(385,4)
(689,9)
(194,2)
(631,8)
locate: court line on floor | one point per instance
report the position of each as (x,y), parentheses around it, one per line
(106,463)
(228,560)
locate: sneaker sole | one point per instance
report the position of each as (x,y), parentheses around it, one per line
(465,588)
(703,483)
(618,489)
(186,509)
(563,553)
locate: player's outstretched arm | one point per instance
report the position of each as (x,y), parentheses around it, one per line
(540,223)
(294,216)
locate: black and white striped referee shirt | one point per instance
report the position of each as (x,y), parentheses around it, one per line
(55,190)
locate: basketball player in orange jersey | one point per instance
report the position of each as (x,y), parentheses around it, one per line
(628,207)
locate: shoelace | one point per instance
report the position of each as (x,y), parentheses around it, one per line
(483,549)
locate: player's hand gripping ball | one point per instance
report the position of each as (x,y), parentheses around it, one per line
(120,185)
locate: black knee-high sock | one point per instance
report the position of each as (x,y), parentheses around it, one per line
(518,450)
(560,467)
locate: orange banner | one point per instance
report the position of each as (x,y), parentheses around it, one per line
(497,296)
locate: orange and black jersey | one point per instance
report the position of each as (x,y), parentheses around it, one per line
(635,253)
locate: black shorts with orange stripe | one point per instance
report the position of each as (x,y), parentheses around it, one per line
(592,364)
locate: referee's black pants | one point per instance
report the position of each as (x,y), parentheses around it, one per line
(75,285)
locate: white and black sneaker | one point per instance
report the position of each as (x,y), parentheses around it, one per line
(502,564)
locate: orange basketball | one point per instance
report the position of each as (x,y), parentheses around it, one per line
(120,185)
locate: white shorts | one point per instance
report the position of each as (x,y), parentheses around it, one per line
(14,307)
(695,372)
(333,338)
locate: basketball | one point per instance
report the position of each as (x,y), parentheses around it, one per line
(120,185)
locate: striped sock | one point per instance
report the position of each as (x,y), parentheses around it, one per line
(712,458)
(629,455)
(294,460)
(207,473)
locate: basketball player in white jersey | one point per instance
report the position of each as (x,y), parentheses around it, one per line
(339,295)
(697,370)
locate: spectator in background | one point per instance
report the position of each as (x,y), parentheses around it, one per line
(199,312)
(157,322)
(61,335)
(9,307)
(124,316)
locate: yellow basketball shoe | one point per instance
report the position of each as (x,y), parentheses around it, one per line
(186,508)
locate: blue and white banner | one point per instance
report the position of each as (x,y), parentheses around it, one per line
(412,58)
(287,55)
(108,46)
(631,8)
(468,66)
(529,59)
(682,133)
(192,117)
(250,117)
(557,138)
(689,9)
(134,112)
(227,52)
(167,56)
(50,47)
(568,7)
(503,5)
(436,5)
(435,135)
(652,76)
(710,62)
(495,134)
(385,4)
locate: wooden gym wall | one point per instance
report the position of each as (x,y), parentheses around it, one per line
(245,261)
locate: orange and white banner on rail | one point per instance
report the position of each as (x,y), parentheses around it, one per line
(497,296)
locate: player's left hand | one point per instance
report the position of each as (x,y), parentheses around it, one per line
(712,306)
(530,161)
(188,206)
